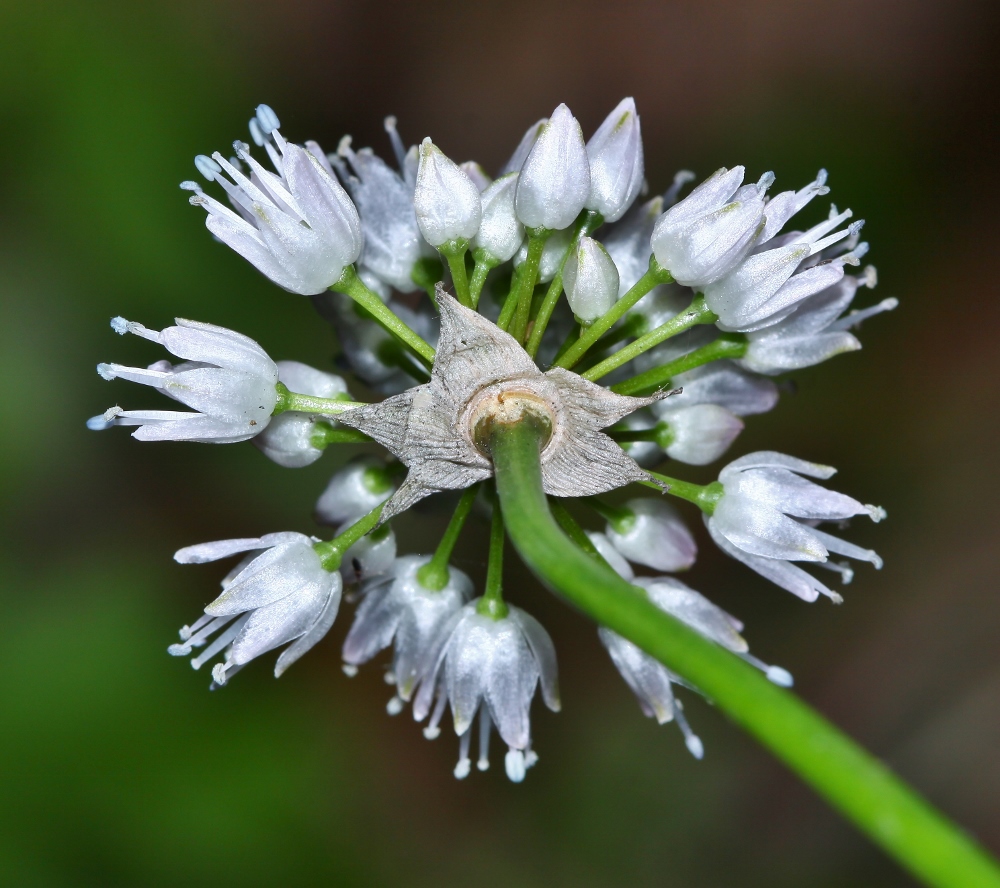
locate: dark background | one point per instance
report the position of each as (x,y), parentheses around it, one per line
(117,767)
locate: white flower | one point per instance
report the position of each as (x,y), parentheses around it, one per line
(764,288)
(591,281)
(398,610)
(354,491)
(500,232)
(392,241)
(552,255)
(616,167)
(555,178)
(491,666)
(280,593)
(699,434)
(446,200)
(298,227)
(765,515)
(627,244)
(288,437)
(225,376)
(814,331)
(431,428)
(780,208)
(477,174)
(372,555)
(724,384)
(701,238)
(650,680)
(653,534)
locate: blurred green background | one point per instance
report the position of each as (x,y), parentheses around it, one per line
(117,767)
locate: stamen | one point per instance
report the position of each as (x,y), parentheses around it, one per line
(842,567)
(515,765)
(464,765)
(394,706)
(219,674)
(397,143)
(389,677)
(349,670)
(187,631)
(214,625)
(856,317)
(230,671)
(691,740)
(221,642)
(207,167)
(432,731)
(765,182)
(267,119)
(485,725)
(781,677)
(681,178)
(189,185)
(256,133)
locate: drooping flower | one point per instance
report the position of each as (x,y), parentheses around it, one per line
(765,519)
(354,491)
(652,533)
(431,428)
(397,609)
(281,593)
(490,666)
(225,376)
(297,226)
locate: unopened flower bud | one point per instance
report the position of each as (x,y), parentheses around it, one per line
(616,166)
(477,174)
(353,492)
(524,147)
(552,255)
(700,434)
(446,200)
(591,281)
(500,232)
(555,179)
(654,535)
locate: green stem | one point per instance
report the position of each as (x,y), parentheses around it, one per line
(492,603)
(354,287)
(696,313)
(704,496)
(524,285)
(861,787)
(454,254)
(325,434)
(332,552)
(729,345)
(656,274)
(310,404)
(588,222)
(484,264)
(660,434)
(620,519)
(426,274)
(573,530)
(434,575)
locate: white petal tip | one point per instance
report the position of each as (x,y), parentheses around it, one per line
(394,706)
(349,670)
(515,765)
(781,677)
(462,769)
(695,746)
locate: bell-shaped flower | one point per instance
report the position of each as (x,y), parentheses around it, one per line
(491,666)
(500,231)
(280,593)
(354,491)
(288,437)
(616,166)
(446,200)
(765,287)
(699,434)
(524,147)
(591,281)
(766,516)
(392,241)
(724,384)
(555,178)
(650,680)
(298,226)
(396,609)
(814,331)
(225,376)
(703,237)
(653,534)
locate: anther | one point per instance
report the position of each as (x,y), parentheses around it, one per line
(207,167)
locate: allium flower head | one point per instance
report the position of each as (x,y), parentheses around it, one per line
(492,666)
(297,226)
(225,376)
(765,519)
(280,594)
